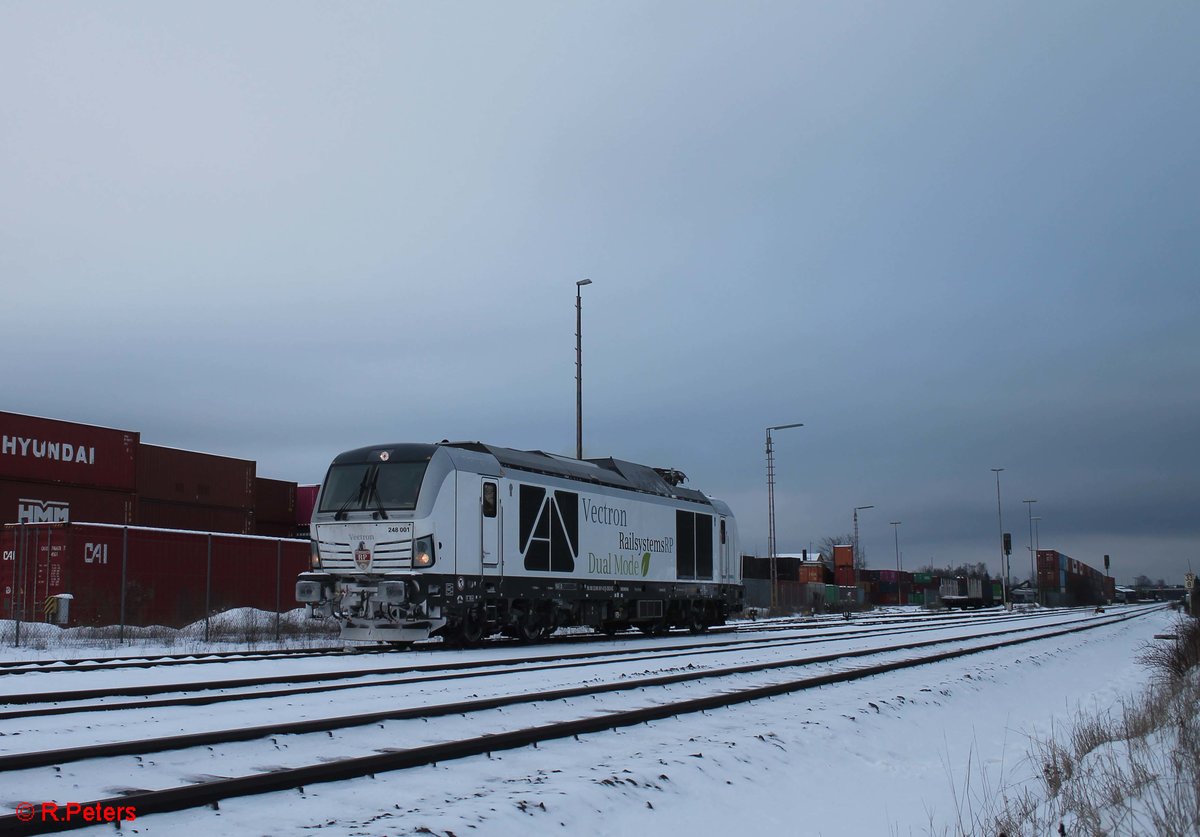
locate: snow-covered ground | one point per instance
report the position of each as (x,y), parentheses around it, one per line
(891,754)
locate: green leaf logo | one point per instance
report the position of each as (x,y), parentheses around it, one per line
(645,565)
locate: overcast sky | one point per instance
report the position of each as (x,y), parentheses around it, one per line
(948,237)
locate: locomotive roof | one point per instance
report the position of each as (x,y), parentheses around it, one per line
(616,473)
(402,452)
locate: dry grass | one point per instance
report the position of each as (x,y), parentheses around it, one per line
(1131,773)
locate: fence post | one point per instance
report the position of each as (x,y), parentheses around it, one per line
(278,571)
(208,587)
(18,581)
(124,563)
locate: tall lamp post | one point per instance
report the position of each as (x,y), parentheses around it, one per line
(771,510)
(1032,557)
(1037,545)
(857,509)
(896,531)
(1000,519)
(579,366)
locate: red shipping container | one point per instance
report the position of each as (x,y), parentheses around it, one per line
(274,501)
(195,517)
(306,501)
(32,502)
(812,574)
(275,530)
(167,574)
(204,479)
(843,556)
(47,450)
(844,576)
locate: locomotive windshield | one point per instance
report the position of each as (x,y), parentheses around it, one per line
(391,486)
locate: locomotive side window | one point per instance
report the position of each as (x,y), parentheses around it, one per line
(693,545)
(685,544)
(704,546)
(489,499)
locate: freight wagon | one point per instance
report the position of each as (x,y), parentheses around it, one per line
(463,540)
(966,592)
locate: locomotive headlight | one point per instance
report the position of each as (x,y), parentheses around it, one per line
(423,552)
(311,587)
(314,559)
(393,592)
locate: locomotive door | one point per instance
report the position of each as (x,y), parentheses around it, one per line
(489,525)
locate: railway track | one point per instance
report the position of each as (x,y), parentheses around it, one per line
(143,661)
(212,790)
(314,682)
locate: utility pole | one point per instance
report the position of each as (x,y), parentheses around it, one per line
(1000,519)
(1032,556)
(579,366)
(896,531)
(771,511)
(857,509)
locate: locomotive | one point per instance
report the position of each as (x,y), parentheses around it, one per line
(464,540)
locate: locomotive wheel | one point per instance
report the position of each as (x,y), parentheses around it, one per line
(654,629)
(470,631)
(696,623)
(528,630)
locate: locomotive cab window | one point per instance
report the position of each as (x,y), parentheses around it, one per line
(366,486)
(489,499)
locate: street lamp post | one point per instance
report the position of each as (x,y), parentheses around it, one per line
(896,531)
(857,509)
(579,366)
(771,510)
(1032,556)
(1000,519)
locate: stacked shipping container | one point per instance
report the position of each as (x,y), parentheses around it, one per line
(54,472)
(1063,581)
(180,489)
(843,565)
(57,471)
(275,508)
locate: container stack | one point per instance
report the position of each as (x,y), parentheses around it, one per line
(1066,582)
(843,565)
(53,470)
(180,489)
(306,504)
(275,507)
